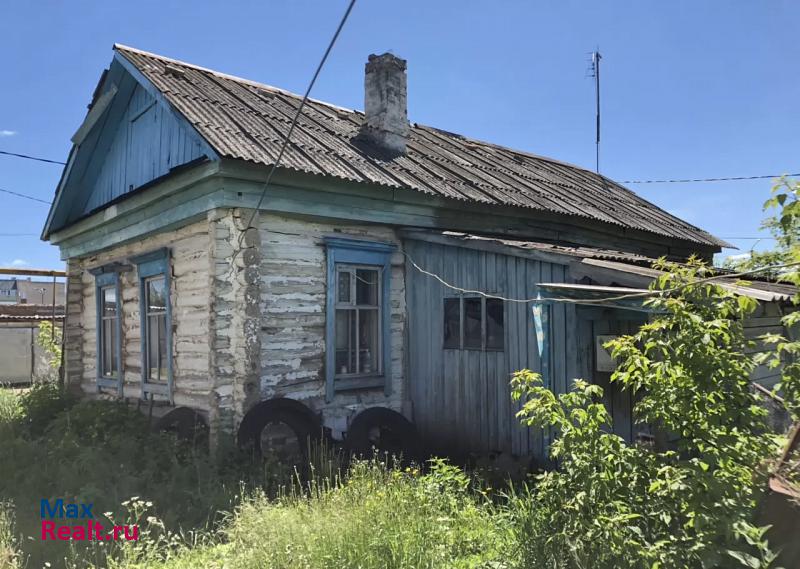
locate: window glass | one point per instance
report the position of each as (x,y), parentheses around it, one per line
(366,287)
(343,287)
(156,329)
(368,341)
(472,323)
(109,364)
(494,324)
(357,329)
(452,323)
(345,342)
(109,301)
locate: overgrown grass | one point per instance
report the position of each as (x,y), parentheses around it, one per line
(104,453)
(197,511)
(376,517)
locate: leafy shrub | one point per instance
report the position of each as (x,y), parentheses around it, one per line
(688,504)
(43,403)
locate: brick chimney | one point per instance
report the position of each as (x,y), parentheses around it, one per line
(385,124)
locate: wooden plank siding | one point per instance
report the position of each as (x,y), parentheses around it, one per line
(461,398)
(148,142)
(765,320)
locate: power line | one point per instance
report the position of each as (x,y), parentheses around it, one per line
(686,181)
(600,301)
(749,238)
(294,122)
(32,157)
(18,234)
(24,196)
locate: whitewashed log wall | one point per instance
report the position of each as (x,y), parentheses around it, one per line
(293,295)
(189,294)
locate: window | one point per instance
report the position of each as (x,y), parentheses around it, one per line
(156,323)
(358,335)
(357,329)
(109,316)
(109,328)
(473,323)
(155,329)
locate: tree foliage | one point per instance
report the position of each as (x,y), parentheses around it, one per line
(689,503)
(784,227)
(49,339)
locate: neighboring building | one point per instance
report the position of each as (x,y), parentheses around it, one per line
(192,284)
(27,291)
(22,359)
(41,292)
(8,291)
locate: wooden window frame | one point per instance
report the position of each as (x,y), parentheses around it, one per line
(484,324)
(149,266)
(358,309)
(104,278)
(343,252)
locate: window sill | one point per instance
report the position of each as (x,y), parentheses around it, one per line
(357,383)
(109,382)
(158,388)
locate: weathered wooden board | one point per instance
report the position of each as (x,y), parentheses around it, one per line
(147,143)
(461,398)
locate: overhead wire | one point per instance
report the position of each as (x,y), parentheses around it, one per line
(693,180)
(28,157)
(598,302)
(297,114)
(27,197)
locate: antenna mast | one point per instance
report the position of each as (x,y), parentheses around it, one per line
(595,72)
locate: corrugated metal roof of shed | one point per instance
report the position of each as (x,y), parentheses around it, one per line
(246,120)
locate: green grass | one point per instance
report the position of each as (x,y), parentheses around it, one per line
(104,453)
(197,511)
(377,517)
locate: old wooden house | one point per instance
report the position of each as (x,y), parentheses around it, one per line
(343,294)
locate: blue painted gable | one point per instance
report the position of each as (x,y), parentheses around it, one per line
(149,141)
(131,136)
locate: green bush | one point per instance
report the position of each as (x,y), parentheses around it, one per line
(690,503)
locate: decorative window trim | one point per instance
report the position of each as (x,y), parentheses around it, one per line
(105,277)
(153,264)
(373,254)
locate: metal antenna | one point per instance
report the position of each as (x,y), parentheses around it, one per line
(594,70)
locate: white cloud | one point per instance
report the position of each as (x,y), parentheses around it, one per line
(19,263)
(8,132)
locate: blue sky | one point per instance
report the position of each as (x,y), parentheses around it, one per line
(690,89)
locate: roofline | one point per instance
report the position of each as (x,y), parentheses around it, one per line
(711,241)
(119,46)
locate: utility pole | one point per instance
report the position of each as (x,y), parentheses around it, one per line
(595,72)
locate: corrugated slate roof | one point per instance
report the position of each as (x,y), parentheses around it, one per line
(755,286)
(22,312)
(246,120)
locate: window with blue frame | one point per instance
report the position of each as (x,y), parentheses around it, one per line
(109,328)
(358,315)
(156,322)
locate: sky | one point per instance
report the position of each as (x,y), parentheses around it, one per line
(689,89)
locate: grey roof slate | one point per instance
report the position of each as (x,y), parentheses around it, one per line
(245,120)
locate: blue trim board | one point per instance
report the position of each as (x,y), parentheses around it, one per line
(149,265)
(357,252)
